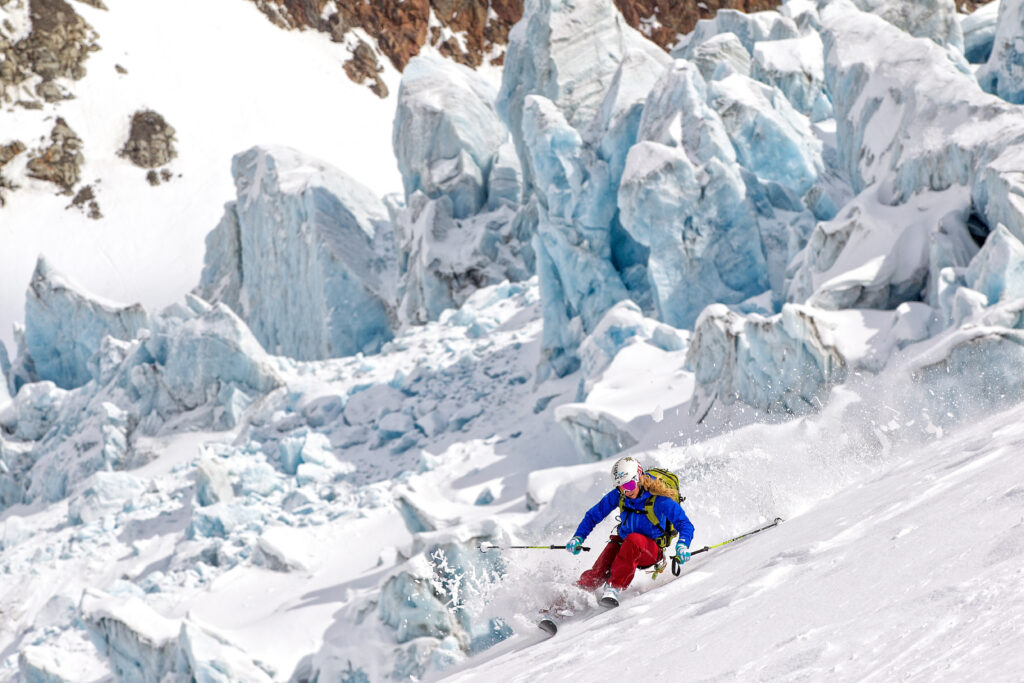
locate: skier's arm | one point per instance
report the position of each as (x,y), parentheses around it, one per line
(673,512)
(597,513)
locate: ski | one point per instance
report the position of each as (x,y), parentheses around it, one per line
(550,626)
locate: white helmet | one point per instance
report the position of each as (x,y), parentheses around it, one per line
(626,470)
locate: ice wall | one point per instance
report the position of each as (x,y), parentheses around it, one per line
(305,255)
(64,327)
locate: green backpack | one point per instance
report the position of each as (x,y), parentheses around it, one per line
(670,480)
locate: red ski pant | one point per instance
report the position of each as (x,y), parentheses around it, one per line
(619,561)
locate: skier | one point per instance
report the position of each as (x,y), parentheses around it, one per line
(637,542)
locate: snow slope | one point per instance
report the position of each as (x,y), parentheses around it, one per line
(239,81)
(912,572)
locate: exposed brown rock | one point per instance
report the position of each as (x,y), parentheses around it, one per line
(364,66)
(98,4)
(56,47)
(85,200)
(150,142)
(61,162)
(663,21)
(10,150)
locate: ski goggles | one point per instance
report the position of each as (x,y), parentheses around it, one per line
(628,486)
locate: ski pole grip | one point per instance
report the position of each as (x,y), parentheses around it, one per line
(562,547)
(676,568)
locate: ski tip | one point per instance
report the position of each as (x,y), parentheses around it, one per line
(548,626)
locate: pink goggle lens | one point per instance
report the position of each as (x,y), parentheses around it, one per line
(629,486)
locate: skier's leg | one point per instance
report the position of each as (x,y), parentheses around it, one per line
(637,551)
(597,575)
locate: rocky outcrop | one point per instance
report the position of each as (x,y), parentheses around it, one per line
(150,142)
(55,47)
(663,21)
(8,152)
(61,162)
(471,32)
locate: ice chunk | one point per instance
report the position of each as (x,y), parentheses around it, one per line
(142,645)
(877,256)
(771,139)
(211,349)
(64,326)
(936,20)
(106,492)
(748,28)
(409,605)
(720,56)
(212,658)
(213,482)
(979,29)
(780,363)
(704,243)
(221,520)
(5,375)
(597,435)
(998,269)
(446,132)
(505,182)
(446,259)
(569,53)
(317,252)
(91,438)
(796,67)
(1003,73)
(974,370)
(33,412)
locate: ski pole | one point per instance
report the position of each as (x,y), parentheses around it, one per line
(675,563)
(485,546)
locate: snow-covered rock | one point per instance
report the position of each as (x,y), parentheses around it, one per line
(446,133)
(64,326)
(305,255)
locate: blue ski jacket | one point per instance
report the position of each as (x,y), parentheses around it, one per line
(634,518)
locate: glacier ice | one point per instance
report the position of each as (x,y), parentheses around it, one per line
(305,255)
(877,256)
(796,66)
(997,271)
(720,56)
(790,361)
(569,53)
(445,259)
(748,28)
(446,132)
(979,29)
(64,327)
(937,20)
(104,493)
